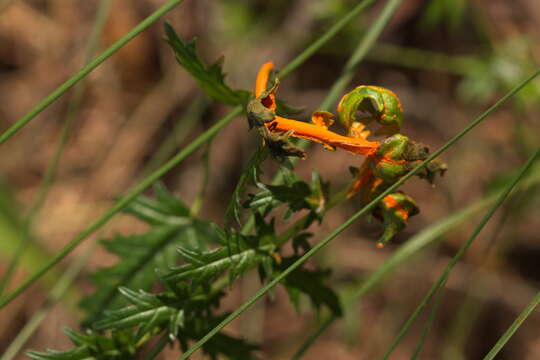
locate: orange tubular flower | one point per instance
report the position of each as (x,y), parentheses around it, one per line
(317,132)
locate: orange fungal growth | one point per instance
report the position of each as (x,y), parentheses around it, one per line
(317,131)
(262,78)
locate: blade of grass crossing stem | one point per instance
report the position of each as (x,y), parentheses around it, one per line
(427,325)
(424,238)
(50,172)
(59,91)
(352,219)
(330,33)
(199,141)
(123,202)
(56,293)
(325,324)
(360,53)
(343,80)
(513,328)
(460,253)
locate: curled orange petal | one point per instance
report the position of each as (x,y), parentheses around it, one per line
(262,78)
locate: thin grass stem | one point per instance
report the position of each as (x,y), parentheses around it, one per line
(325,324)
(52,167)
(427,325)
(56,293)
(329,34)
(344,78)
(513,328)
(182,128)
(81,74)
(148,181)
(351,220)
(122,203)
(405,328)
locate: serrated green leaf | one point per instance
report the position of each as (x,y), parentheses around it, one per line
(311,283)
(214,263)
(140,255)
(250,175)
(166,209)
(209,77)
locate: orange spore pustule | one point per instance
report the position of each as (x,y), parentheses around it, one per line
(390,202)
(322,135)
(300,129)
(262,78)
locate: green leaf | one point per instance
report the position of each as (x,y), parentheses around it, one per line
(250,175)
(311,283)
(296,193)
(91,346)
(164,209)
(204,266)
(210,77)
(140,255)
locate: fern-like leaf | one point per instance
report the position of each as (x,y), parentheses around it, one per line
(210,77)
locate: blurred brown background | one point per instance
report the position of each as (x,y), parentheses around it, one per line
(448,60)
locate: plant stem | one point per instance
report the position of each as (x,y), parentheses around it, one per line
(429,322)
(513,328)
(180,131)
(351,220)
(122,203)
(360,53)
(330,33)
(199,141)
(56,293)
(197,203)
(325,324)
(52,168)
(344,78)
(59,91)
(156,349)
(460,253)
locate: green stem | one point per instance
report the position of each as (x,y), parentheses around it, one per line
(163,240)
(122,203)
(59,91)
(460,253)
(360,53)
(424,60)
(171,163)
(52,167)
(325,324)
(156,349)
(197,203)
(351,220)
(427,325)
(513,328)
(180,131)
(56,293)
(345,77)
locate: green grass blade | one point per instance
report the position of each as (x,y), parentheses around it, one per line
(36,110)
(427,325)
(184,125)
(199,141)
(325,324)
(344,78)
(59,289)
(330,33)
(123,202)
(52,167)
(460,253)
(360,53)
(513,328)
(351,220)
